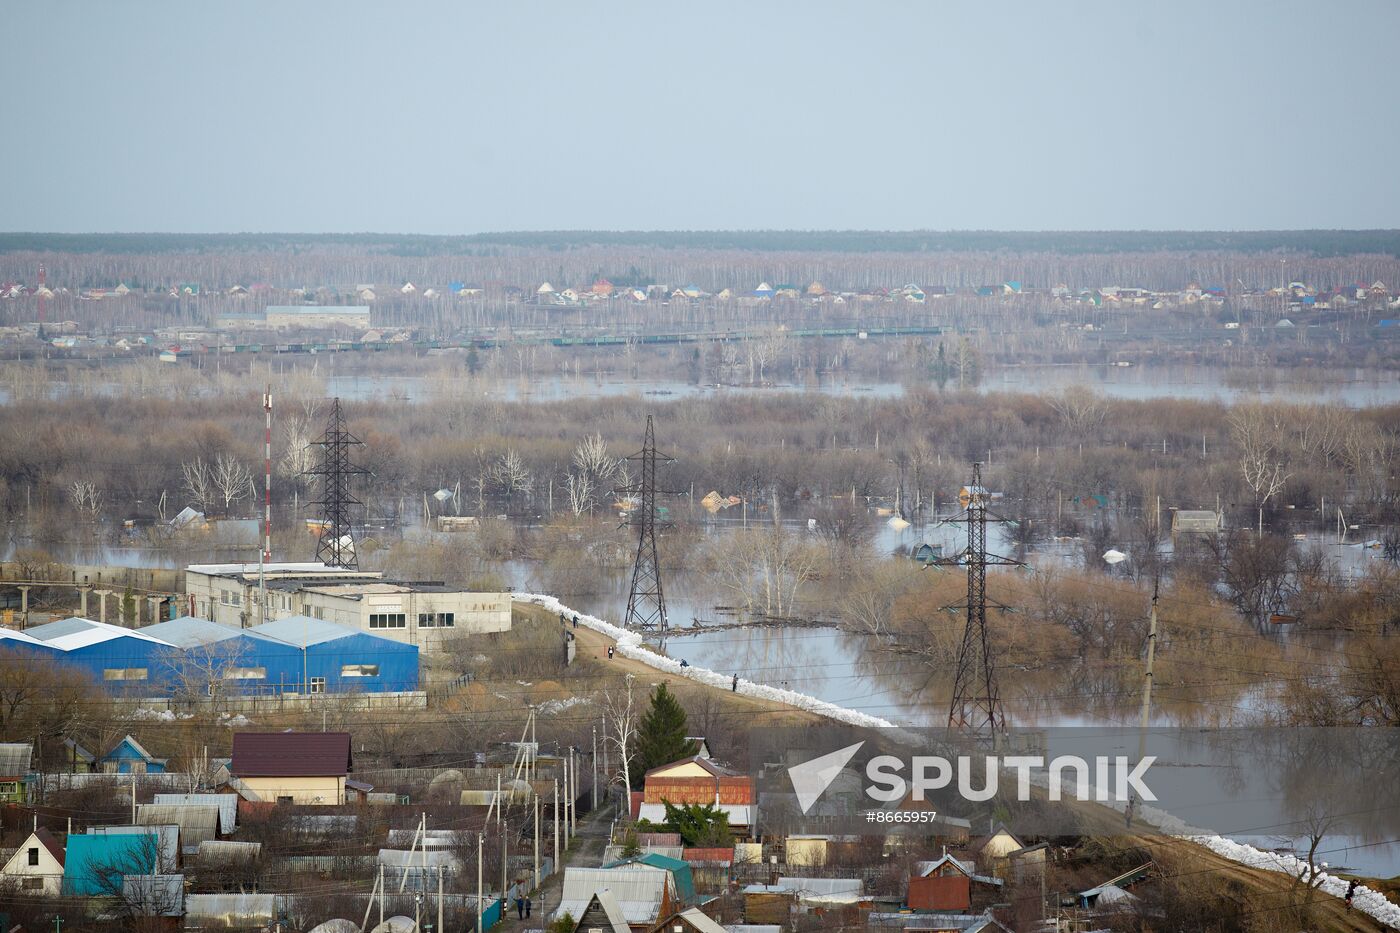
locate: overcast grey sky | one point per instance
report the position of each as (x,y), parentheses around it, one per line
(459,117)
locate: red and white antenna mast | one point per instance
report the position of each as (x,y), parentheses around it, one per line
(43,286)
(267,478)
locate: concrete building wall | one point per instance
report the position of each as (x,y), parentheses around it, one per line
(230,601)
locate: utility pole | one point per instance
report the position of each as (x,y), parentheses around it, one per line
(556,824)
(976,708)
(480,849)
(537,841)
(1146,692)
(593,766)
(441,928)
(646,604)
(336,547)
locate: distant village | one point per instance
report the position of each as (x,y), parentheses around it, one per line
(40,311)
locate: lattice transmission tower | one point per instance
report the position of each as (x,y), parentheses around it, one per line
(336,547)
(976,708)
(646,605)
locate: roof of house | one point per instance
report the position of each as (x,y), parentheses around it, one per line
(639,890)
(291,754)
(227,805)
(696,918)
(679,869)
(707,764)
(15,758)
(93,862)
(135,746)
(50,842)
(612,909)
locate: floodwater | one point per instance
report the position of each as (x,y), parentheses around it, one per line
(1356,388)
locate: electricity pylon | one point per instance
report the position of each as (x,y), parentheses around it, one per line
(976,707)
(646,604)
(336,546)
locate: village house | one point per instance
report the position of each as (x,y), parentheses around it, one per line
(37,865)
(14,770)
(294,767)
(698,780)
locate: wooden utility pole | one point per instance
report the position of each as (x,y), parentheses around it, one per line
(556,824)
(480,850)
(537,841)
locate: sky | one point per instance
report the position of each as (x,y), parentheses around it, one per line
(461,117)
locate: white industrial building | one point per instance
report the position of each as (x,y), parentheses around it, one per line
(417,613)
(311,317)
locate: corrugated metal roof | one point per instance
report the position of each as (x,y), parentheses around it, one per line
(639,890)
(304,631)
(823,887)
(291,754)
(232,909)
(197,824)
(224,850)
(8,634)
(227,804)
(408,858)
(15,758)
(191,632)
(68,634)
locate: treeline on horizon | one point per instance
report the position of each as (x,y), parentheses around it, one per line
(1310,242)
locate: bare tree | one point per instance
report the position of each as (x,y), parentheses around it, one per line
(1080,408)
(765,568)
(198,482)
(1256,433)
(232,480)
(580,490)
(512,475)
(592,460)
(622,723)
(86,498)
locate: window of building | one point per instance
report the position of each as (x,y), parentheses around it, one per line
(388,620)
(33,884)
(359,670)
(223,597)
(236,599)
(318,685)
(34,855)
(284,799)
(124,673)
(447,619)
(436,619)
(246,673)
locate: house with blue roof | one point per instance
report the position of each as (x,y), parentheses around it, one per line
(130,757)
(94,866)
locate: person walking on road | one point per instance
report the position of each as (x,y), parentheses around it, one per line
(527,907)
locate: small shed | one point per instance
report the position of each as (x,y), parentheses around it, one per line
(1197,522)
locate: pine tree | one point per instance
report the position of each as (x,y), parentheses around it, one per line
(661,736)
